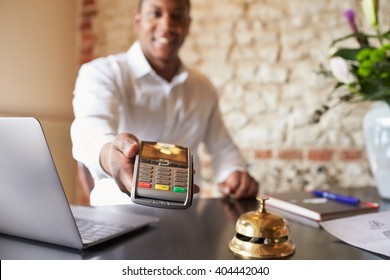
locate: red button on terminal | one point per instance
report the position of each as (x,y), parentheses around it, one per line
(144,185)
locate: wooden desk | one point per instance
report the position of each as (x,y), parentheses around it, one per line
(201,232)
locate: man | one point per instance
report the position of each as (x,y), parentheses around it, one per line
(148,94)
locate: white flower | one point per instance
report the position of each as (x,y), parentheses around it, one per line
(340,70)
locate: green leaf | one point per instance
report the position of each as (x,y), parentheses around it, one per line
(348,54)
(377,55)
(363,54)
(374,89)
(383,67)
(365,68)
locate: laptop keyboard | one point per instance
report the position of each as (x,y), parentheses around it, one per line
(91,231)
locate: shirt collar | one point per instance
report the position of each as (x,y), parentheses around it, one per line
(140,67)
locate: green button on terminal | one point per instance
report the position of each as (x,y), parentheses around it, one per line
(179,189)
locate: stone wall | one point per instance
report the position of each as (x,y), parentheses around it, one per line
(263,56)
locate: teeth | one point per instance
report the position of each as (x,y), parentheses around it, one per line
(162,40)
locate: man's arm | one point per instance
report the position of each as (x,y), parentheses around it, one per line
(96,108)
(231,171)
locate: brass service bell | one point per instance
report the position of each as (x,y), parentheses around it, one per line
(261,235)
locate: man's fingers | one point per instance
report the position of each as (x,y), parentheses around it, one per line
(128,144)
(117,159)
(124,179)
(196,188)
(240,185)
(231,184)
(243,188)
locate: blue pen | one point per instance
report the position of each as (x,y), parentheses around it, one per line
(337,197)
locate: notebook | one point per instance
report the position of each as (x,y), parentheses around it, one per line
(33,203)
(305,204)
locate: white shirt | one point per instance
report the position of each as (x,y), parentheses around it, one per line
(122,93)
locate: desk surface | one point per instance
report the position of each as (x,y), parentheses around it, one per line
(201,232)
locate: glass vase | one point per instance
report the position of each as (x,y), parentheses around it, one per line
(376,128)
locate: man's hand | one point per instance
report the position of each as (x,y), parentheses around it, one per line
(239,185)
(117,159)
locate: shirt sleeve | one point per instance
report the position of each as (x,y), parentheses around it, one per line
(225,155)
(95,106)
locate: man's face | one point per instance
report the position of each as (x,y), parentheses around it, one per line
(162,26)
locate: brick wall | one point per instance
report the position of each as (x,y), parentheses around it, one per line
(262,55)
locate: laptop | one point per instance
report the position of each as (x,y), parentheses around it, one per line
(33,203)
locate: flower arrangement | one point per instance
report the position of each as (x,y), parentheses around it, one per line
(364,71)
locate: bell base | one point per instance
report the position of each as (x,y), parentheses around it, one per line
(248,250)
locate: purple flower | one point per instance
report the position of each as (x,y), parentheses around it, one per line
(349,14)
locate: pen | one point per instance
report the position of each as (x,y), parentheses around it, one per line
(337,197)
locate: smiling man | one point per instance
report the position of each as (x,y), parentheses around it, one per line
(148,94)
(162,27)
